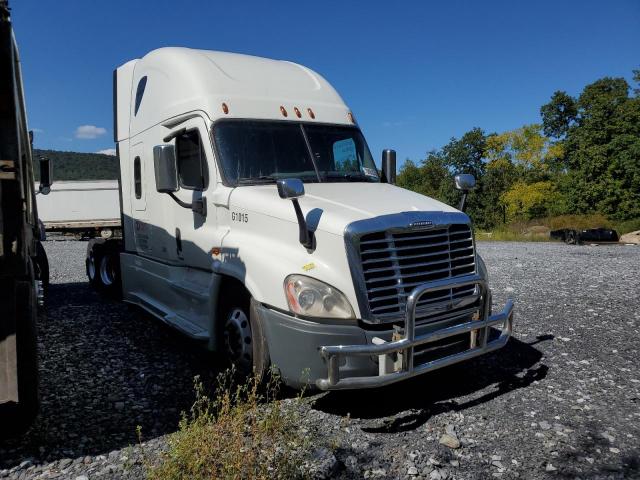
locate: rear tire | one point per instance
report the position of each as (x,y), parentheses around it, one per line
(42,266)
(17,417)
(103,267)
(92,262)
(109,273)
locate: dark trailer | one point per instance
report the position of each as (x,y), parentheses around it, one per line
(23,265)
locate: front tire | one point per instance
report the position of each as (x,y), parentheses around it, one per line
(238,340)
(243,339)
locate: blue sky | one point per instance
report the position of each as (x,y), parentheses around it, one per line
(414,73)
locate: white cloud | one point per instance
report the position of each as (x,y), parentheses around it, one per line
(89,131)
(108,151)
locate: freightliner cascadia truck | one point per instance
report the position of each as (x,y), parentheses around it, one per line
(24,270)
(255,219)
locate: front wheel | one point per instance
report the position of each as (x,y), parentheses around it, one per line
(571,238)
(238,341)
(243,339)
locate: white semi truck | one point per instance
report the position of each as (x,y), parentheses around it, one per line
(255,220)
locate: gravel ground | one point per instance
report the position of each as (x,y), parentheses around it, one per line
(562,400)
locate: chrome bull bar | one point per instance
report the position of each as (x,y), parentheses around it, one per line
(479,344)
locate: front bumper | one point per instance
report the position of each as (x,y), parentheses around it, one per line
(396,358)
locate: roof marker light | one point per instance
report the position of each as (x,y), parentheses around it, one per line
(283,111)
(298,114)
(311,114)
(225,108)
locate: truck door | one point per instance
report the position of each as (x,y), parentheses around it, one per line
(195,233)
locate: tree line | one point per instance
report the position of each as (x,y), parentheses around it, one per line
(78,166)
(583,158)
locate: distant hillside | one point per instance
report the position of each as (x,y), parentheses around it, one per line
(78,166)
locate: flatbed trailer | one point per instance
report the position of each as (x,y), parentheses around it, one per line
(85,209)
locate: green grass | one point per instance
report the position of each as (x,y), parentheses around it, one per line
(627,226)
(243,432)
(538,230)
(509,236)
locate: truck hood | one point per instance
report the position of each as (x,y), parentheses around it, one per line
(330,207)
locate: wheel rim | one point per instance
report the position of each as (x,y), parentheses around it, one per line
(237,339)
(107,272)
(91,266)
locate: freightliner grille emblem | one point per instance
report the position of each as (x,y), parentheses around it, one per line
(421,224)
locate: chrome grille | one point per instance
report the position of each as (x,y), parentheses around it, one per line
(395,262)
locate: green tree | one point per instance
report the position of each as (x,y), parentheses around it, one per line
(78,166)
(432,178)
(558,114)
(526,201)
(602,146)
(466,154)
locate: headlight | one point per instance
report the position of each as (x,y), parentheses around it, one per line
(311,297)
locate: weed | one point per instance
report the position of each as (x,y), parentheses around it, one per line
(243,432)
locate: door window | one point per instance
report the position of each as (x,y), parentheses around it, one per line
(191,161)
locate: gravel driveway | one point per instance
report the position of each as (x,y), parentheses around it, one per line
(562,400)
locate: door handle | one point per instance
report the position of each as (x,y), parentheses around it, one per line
(178,242)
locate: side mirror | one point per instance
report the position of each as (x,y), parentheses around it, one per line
(164,163)
(465,182)
(292,189)
(46,175)
(389,166)
(166,171)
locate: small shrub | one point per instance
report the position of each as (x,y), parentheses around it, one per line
(242,433)
(628,226)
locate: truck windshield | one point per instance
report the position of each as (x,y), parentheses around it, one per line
(253,152)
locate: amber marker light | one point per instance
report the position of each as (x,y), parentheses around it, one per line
(311,114)
(283,111)
(225,108)
(298,114)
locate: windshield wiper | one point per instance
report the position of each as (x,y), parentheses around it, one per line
(255,180)
(348,176)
